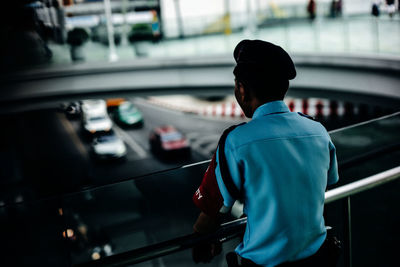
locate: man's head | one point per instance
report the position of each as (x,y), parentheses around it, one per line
(262,73)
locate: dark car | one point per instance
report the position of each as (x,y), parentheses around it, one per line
(72,109)
(167,141)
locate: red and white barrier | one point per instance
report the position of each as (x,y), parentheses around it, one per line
(314,107)
(229,109)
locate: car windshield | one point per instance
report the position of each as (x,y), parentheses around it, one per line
(128,109)
(98,118)
(173,136)
(107,138)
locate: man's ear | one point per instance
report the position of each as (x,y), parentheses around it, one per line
(244,94)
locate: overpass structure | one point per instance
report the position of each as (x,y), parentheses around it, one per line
(336,76)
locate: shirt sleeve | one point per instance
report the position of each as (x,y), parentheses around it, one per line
(234,172)
(208,197)
(333,176)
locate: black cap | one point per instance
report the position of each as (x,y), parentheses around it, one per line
(261,58)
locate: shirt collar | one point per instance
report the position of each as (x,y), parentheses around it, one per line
(270,107)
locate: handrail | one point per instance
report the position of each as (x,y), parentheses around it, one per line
(232,229)
(362,185)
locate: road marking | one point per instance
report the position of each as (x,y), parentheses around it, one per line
(213,139)
(209,143)
(192,136)
(130,142)
(211,148)
(75,138)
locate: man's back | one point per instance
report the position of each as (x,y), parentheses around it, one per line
(279,164)
(280,161)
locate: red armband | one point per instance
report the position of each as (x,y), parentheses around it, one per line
(208,198)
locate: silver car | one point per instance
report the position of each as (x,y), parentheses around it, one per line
(108,146)
(95,117)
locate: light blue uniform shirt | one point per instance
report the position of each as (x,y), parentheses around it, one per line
(282,163)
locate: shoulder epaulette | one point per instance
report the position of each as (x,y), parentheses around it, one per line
(307,116)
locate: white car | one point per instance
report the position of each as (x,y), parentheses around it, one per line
(95,117)
(108,146)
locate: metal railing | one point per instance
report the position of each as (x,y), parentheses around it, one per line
(232,229)
(346,191)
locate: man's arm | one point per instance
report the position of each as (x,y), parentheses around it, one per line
(333,176)
(211,196)
(206,251)
(208,197)
(209,200)
(205,224)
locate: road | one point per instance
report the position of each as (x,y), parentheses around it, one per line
(203,135)
(51,154)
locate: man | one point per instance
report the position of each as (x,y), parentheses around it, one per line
(278,164)
(311,9)
(376,7)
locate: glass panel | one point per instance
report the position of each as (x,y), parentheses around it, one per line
(132,214)
(375,225)
(368,136)
(374,219)
(367,149)
(135,213)
(32,233)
